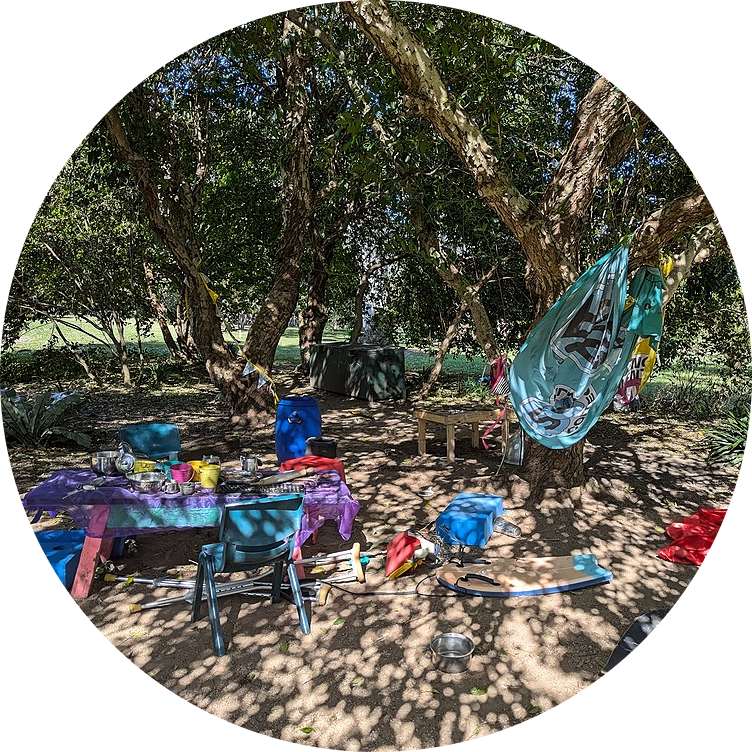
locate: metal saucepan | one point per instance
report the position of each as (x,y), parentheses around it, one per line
(104,463)
(249,464)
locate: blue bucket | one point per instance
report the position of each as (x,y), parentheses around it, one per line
(298,418)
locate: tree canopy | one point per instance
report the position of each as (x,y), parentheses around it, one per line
(447,173)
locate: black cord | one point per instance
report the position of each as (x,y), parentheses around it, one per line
(400,592)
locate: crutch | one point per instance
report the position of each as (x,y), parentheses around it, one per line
(254,586)
(353,556)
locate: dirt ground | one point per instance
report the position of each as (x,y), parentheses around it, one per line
(363,678)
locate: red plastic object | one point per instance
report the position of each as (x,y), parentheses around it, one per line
(315,462)
(400,551)
(692,537)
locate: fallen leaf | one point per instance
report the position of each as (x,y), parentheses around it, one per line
(357,680)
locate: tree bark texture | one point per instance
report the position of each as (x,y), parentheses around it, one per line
(171,219)
(606,126)
(313,319)
(274,316)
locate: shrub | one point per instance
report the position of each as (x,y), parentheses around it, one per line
(726,442)
(699,389)
(36,421)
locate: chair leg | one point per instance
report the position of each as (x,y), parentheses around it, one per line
(297,596)
(205,572)
(277,583)
(211,600)
(198,589)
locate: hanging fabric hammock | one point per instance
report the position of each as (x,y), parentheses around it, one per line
(568,369)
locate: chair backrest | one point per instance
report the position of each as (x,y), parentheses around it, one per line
(258,530)
(154,440)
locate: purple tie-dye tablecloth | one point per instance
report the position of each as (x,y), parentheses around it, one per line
(326,497)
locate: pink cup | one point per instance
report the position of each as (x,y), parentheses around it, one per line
(181,473)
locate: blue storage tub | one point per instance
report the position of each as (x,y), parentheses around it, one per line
(469,519)
(63,551)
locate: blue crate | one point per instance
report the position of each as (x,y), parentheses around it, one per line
(63,551)
(469,519)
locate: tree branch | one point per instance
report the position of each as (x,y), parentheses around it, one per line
(665,224)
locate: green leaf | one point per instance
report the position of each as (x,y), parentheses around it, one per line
(284,647)
(307,730)
(357,680)
(337,622)
(478,691)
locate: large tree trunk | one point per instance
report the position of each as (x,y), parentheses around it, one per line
(314,317)
(171,216)
(607,125)
(274,316)
(553,468)
(172,220)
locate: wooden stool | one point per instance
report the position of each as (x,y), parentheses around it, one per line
(450,419)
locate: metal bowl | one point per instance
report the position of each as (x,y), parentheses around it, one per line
(452,652)
(104,463)
(148,483)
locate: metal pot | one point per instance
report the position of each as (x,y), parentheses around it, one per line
(147,483)
(104,463)
(452,652)
(249,464)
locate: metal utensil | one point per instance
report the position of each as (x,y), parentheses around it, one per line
(87,486)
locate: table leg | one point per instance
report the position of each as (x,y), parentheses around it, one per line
(476,435)
(421,436)
(94,551)
(297,555)
(450,442)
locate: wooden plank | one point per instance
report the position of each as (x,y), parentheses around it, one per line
(94,551)
(450,441)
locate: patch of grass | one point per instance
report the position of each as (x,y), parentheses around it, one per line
(35,358)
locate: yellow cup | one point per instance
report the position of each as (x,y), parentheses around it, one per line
(144,466)
(209,476)
(196,465)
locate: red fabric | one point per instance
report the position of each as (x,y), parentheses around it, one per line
(313,461)
(499,388)
(692,537)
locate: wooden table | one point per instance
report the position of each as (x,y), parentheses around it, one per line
(450,419)
(114,511)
